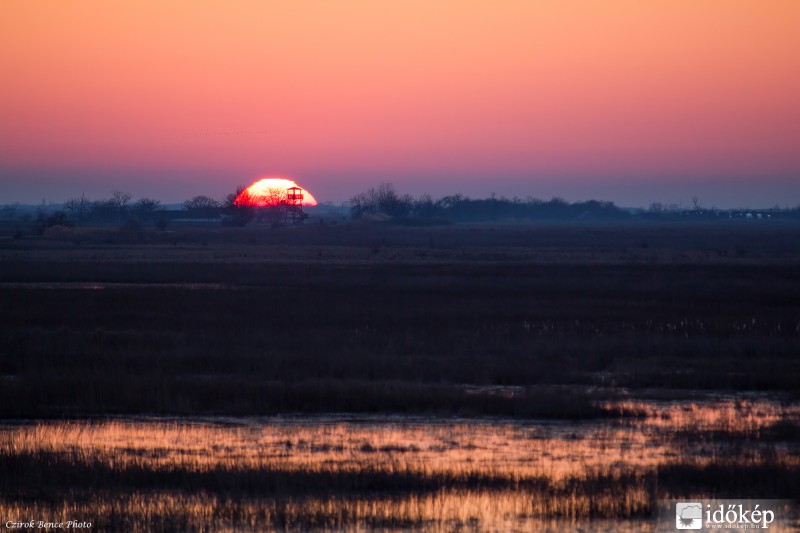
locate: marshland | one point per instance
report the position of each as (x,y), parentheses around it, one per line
(369,376)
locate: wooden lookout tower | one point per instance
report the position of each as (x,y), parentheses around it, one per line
(294,206)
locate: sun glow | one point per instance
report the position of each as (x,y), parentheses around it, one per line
(271,191)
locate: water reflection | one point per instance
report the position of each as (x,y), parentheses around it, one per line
(392,472)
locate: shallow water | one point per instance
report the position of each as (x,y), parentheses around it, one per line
(423,473)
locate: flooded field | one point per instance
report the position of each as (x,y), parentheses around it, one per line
(398,473)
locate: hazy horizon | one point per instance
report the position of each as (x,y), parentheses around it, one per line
(731,195)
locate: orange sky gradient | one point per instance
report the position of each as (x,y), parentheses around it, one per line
(623,100)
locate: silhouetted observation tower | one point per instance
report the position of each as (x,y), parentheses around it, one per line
(294,206)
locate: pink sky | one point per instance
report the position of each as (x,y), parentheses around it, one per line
(628,101)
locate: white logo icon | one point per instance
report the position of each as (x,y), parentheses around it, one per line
(689,515)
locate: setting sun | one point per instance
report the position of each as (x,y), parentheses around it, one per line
(271,191)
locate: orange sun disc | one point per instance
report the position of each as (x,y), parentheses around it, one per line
(271,191)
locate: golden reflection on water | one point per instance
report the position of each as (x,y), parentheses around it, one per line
(555,450)
(443,511)
(515,451)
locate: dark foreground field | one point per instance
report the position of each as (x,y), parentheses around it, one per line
(592,326)
(265,328)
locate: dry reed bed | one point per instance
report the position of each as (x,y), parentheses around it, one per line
(437,512)
(434,474)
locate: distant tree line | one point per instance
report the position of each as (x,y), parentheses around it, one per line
(383,200)
(118,208)
(236,209)
(121,208)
